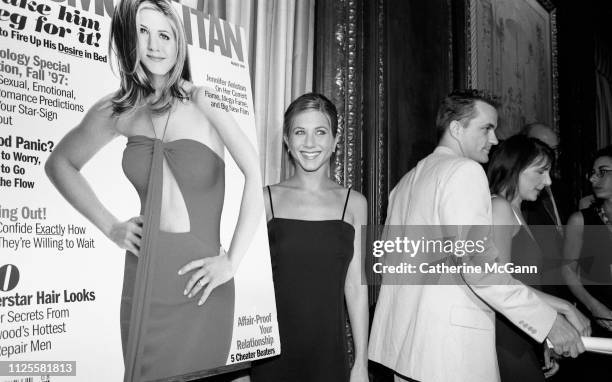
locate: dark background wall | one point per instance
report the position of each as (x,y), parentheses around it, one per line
(425,60)
(580,24)
(419,71)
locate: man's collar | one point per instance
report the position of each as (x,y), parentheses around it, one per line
(445,150)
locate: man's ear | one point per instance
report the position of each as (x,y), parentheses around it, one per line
(455,128)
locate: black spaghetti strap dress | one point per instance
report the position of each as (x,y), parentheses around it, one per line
(595,266)
(596,261)
(309,264)
(517,353)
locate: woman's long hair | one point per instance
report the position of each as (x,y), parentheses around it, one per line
(135,82)
(513,156)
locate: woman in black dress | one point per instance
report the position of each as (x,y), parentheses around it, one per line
(593,245)
(588,255)
(519,170)
(314,228)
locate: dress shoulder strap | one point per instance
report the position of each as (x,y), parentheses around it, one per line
(271,206)
(346,203)
(518,220)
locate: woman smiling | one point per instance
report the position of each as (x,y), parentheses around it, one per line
(314,229)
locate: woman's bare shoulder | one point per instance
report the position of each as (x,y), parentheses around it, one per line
(104,105)
(201,95)
(357,206)
(281,188)
(101,116)
(576,219)
(357,199)
(502,212)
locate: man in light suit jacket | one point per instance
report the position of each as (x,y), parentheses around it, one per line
(447,332)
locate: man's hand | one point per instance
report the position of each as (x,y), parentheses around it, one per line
(577,319)
(565,338)
(603,314)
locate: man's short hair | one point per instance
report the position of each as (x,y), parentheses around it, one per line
(459,106)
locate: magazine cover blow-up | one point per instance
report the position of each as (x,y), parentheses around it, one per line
(133,243)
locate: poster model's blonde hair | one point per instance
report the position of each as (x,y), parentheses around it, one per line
(135,82)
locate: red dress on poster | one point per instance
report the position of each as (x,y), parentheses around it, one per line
(169,334)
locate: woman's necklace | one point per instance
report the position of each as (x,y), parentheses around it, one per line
(163,135)
(603,216)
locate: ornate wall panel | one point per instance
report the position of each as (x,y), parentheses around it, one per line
(339,76)
(350,60)
(350,51)
(511,51)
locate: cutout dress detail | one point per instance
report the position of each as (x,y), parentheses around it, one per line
(163,332)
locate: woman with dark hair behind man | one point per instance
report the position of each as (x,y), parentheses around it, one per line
(314,229)
(518,171)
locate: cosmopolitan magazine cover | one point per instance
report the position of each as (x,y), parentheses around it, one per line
(133,242)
